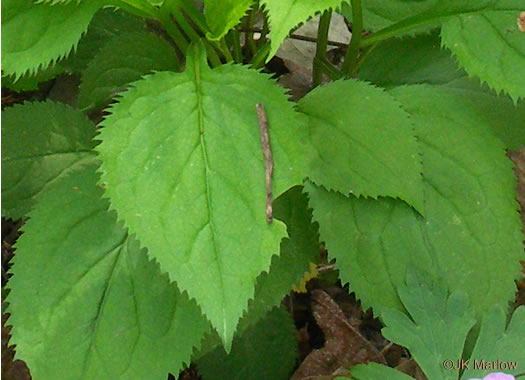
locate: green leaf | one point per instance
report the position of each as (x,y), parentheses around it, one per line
(223,15)
(124,59)
(265,351)
(41,142)
(183,166)
(489,45)
(375,371)
(438,326)
(285,15)
(411,60)
(421,60)
(379,14)
(106,25)
(29,82)
(496,344)
(86,302)
(287,269)
(471,236)
(33,36)
(357,150)
(297,252)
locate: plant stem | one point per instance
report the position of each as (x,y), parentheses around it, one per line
(172,30)
(363,58)
(322,44)
(357,29)
(259,57)
(236,44)
(249,35)
(328,68)
(211,53)
(225,50)
(195,15)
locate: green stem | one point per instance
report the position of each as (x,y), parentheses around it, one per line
(195,15)
(225,50)
(172,30)
(185,26)
(259,57)
(322,44)
(236,43)
(363,58)
(264,31)
(355,43)
(328,68)
(211,53)
(249,35)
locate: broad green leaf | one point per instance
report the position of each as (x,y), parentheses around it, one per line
(221,15)
(285,15)
(471,235)
(107,24)
(358,150)
(35,35)
(41,142)
(437,327)
(85,300)
(123,60)
(497,344)
(376,371)
(421,60)
(184,168)
(489,45)
(265,351)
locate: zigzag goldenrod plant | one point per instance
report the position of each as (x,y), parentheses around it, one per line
(149,243)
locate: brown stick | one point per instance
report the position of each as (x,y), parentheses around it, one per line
(268,159)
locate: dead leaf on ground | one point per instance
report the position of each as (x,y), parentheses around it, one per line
(344,345)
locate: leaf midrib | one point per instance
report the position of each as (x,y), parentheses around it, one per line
(200,117)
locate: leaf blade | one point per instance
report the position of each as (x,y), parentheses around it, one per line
(40,142)
(97,296)
(357,150)
(186,183)
(52,33)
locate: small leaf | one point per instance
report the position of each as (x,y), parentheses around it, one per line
(375,371)
(357,150)
(41,142)
(438,326)
(35,35)
(122,60)
(284,15)
(183,166)
(497,344)
(223,15)
(489,45)
(86,302)
(265,351)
